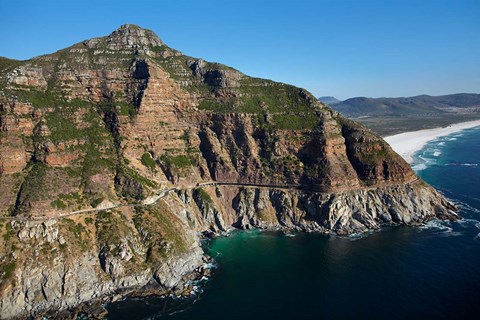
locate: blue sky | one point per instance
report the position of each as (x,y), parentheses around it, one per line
(330,47)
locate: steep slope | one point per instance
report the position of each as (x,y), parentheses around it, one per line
(117,151)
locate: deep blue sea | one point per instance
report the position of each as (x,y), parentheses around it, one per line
(428,272)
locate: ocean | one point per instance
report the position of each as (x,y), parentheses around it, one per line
(427,272)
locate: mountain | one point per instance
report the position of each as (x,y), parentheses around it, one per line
(118,152)
(329,100)
(394,115)
(419,105)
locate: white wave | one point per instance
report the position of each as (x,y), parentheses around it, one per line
(436,153)
(462,164)
(419,167)
(466,206)
(356,236)
(359,235)
(441,143)
(450,234)
(427,160)
(441,227)
(464,223)
(209,265)
(436,225)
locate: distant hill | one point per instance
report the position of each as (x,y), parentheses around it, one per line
(388,116)
(423,105)
(329,100)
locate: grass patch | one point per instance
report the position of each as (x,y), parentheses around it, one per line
(148,161)
(7,269)
(137,177)
(9,232)
(67,200)
(96,202)
(8,63)
(38,99)
(178,161)
(203,195)
(163,230)
(120,108)
(61,127)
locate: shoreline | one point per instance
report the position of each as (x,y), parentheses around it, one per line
(407,143)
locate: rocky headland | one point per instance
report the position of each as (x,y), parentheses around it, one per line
(119,152)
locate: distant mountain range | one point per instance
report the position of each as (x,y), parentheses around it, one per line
(388,116)
(422,105)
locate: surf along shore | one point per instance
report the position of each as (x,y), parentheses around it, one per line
(407,143)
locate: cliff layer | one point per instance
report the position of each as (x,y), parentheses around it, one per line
(117,152)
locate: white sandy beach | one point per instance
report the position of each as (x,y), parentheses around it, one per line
(407,143)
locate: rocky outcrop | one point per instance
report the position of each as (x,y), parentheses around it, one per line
(88,258)
(167,147)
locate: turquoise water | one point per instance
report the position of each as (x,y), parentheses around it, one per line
(430,272)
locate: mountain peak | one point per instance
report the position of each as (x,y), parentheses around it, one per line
(128,36)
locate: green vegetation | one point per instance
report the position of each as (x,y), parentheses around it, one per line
(35,182)
(132,174)
(58,204)
(77,234)
(273,97)
(7,269)
(373,157)
(76,228)
(261,96)
(112,228)
(132,185)
(148,162)
(9,232)
(214,105)
(67,200)
(178,161)
(165,235)
(62,128)
(203,195)
(288,121)
(120,108)
(99,148)
(8,63)
(38,99)
(96,202)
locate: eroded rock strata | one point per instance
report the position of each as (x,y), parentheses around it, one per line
(118,152)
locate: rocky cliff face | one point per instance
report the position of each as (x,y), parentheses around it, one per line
(117,152)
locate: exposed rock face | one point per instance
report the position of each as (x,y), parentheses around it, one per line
(124,120)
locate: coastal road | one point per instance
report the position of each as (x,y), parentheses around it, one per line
(163,193)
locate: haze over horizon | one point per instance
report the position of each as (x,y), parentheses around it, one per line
(332,48)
